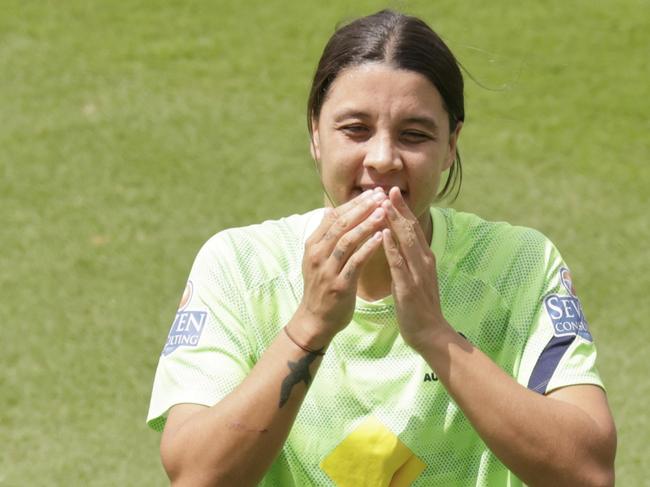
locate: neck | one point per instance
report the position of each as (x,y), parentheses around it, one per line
(375,280)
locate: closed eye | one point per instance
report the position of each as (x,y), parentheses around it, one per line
(415,137)
(355,131)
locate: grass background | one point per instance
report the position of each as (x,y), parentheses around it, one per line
(132,131)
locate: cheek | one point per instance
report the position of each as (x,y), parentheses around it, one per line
(425,168)
(340,160)
(425,180)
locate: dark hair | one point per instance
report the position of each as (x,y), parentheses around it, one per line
(404,42)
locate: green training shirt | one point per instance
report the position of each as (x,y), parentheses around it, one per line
(375,413)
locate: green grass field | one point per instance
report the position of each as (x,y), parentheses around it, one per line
(132,131)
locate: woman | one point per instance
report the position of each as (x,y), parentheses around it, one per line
(382,341)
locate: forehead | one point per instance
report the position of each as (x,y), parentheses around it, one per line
(377,88)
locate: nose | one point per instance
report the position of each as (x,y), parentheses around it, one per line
(381,154)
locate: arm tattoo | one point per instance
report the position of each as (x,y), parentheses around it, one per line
(299,372)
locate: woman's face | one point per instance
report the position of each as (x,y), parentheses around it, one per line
(383,127)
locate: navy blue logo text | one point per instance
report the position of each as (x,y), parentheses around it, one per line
(567,316)
(185,331)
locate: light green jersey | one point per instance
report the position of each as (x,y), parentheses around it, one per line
(375,414)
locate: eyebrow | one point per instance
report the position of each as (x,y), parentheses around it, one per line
(428,122)
(423,120)
(350,113)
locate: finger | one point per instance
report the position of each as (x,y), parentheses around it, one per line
(331,214)
(405,235)
(398,267)
(396,198)
(355,237)
(350,219)
(419,258)
(348,205)
(358,259)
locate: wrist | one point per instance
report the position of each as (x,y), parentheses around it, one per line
(305,348)
(307,334)
(432,338)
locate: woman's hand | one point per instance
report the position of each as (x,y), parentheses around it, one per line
(334,256)
(414,275)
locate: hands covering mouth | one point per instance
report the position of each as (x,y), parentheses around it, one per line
(383,188)
(338,250)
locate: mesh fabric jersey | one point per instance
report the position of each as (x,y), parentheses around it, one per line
(375,414)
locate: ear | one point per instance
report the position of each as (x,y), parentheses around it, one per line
(314,143)
(453,144)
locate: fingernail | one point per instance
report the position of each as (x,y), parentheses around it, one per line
(379,196)
(378,213)
(377,236)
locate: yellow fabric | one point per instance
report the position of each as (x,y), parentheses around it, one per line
(372,456)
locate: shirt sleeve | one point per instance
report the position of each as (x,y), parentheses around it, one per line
(207,352)
(560,350)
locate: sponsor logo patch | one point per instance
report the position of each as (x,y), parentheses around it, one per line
(187,326)
(567,281)
(567,316)
(187,295)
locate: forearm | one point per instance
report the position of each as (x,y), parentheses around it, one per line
(542,440)
(566,438)
(235,441)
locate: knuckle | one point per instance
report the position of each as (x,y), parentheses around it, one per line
(361,233)
(373,223)
(344,244)
(312,262)
(349,273)
(312,257)
(342,223)
(338,288)
(410,237)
